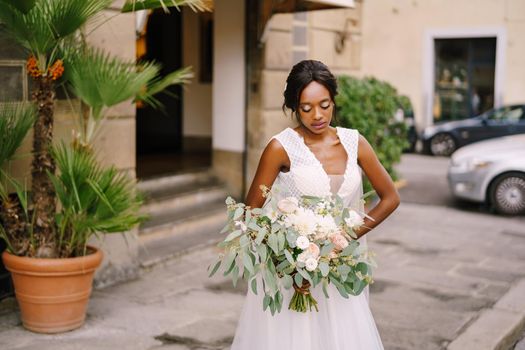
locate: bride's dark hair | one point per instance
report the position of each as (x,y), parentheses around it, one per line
(302,74)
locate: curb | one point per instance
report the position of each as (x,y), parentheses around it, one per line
(496,328)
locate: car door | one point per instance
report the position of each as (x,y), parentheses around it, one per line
(519,126)
(514,120)
(486,127)
(504,121)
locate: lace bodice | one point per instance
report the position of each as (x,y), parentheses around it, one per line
(307,175)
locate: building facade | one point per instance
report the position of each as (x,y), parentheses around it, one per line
(454,59)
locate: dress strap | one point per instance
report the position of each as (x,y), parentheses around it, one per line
(350,140)
(290,141)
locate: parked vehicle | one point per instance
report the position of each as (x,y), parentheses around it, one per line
(493,172)
(443,139)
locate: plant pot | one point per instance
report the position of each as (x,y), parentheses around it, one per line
(53,293)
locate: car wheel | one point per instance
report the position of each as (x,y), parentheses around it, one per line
(442,145)
(507,194)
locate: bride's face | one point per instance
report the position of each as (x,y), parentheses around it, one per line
(316,107)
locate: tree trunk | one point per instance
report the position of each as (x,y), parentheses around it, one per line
(42,191)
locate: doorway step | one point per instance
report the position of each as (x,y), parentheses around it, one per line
(186,211)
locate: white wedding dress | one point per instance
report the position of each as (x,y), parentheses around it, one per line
(340,324)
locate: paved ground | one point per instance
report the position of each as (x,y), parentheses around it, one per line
(440,268)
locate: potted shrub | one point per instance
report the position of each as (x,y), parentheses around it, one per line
(72,196)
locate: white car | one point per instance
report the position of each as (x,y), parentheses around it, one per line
(491,171)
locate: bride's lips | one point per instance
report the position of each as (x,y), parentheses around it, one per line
(319,125)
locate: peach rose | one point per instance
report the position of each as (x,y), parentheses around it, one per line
(314,250)
(339,242)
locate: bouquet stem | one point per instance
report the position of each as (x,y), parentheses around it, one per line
(302,300)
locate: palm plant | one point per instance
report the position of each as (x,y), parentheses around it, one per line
(41,27)
(16,120)
(92,199)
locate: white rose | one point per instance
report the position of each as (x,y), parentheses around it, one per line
(303,257)
(288,205)
(311,264)
(302,242)
(354,219)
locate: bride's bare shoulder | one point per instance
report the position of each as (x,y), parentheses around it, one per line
(275,150)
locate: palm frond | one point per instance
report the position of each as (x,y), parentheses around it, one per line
(23,6)
(159,84)
(16,120)
(41,29)
(195,5)
(94,199)
(101,80)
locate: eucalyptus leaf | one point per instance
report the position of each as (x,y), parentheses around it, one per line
(254,286)
(279,300)
(289,256)
(261,234)
(305,275)
(327,249)
(261,249)
(282,265)
(266,301)
(229,260)
(238,213)
(272,306)
(298,279)
(344,270)
(273,243)
(235,275)
(280,240)
(252,225)
(291,237)
(339,286)
(215,268)
(325,285)
(287,281)
(248,263)
(233,235)
(324,268)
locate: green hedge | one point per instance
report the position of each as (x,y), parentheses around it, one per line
(369,105)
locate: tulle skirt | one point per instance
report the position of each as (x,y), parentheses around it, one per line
(340,324)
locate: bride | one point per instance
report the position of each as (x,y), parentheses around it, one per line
(316,159)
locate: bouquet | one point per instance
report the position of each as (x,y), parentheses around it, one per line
(295,242)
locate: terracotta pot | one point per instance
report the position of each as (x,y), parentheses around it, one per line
(53,293)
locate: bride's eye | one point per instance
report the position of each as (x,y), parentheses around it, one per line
(306,109)
(325,105)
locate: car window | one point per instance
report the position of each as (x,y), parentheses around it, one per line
(510,114)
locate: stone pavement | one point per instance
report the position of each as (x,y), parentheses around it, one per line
(440,269)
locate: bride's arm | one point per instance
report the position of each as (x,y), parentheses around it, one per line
(273,159)
(382,184)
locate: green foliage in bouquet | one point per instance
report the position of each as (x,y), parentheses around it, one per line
(370,105)
(297,243)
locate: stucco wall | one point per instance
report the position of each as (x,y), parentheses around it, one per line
(196,96)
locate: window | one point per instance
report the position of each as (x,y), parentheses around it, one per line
(508,114)
(464,77)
